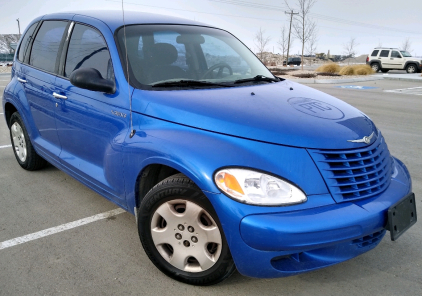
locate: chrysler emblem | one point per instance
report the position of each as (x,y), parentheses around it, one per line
(365,140)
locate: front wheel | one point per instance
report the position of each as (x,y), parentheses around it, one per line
(181,233)
(25,153)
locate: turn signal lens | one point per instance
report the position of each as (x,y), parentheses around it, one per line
(257,188)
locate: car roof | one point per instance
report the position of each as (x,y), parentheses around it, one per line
(114,18)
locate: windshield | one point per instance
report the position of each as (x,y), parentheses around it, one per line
(405,54)
(167,53)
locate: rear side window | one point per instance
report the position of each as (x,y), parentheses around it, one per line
(25,42)
(384,53)
(88,49)
(374,53)
(46,45)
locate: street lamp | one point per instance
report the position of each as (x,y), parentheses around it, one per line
(19,27)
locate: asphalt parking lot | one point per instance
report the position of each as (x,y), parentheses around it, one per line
(105,257)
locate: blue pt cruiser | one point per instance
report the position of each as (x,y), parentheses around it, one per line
(224,165)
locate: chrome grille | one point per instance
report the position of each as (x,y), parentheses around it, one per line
(355,173)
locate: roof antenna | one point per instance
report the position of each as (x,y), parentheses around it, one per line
(132,131)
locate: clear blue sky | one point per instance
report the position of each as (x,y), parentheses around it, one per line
(371,22)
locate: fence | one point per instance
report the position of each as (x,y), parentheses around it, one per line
(6,57)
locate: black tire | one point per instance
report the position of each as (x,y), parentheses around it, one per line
(31,161)
(411,68)
(375,67)
(384,70)
(174,191)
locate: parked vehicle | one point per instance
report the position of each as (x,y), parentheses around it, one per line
(293,61)
(386,59)
(224,165)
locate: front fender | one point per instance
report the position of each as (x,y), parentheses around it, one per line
(198,154)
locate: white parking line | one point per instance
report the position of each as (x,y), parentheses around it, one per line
(5,146)
(60,228)
(408,91)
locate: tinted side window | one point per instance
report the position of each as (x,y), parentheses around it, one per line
(25,41)
(46,45)
(87,49)
(384,53)
(374,53)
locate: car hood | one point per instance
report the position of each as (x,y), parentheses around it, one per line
(285,113)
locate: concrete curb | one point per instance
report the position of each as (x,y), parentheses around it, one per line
(336,81)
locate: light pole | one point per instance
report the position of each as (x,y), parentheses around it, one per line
(290,30)
(19,27)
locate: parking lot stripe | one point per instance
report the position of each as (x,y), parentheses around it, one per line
(5,146)
(60,228)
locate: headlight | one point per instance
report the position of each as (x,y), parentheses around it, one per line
(257,188)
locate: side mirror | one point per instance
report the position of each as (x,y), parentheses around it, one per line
(91,79)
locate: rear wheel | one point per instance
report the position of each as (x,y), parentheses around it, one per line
(375,67)
(182,235)
(25,153)
(411,68)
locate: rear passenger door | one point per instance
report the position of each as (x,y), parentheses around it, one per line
(87,124)
(384,58)
(38,74)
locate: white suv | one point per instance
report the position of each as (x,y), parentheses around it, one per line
(385,59)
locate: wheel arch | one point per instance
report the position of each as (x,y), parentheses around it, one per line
(154,170)
(9,109)
(375,62)
(411,63)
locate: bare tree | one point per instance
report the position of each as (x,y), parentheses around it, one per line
(261,42)
(312,44)
(283,41)
(350,48)
(303,27)
(406,45)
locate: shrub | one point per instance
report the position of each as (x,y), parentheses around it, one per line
(304,75)
(347,70)
(356,70)
(363,70)
(329,68)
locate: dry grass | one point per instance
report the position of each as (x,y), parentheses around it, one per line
(356,70)
(363,70)
(329,68)
(347,70)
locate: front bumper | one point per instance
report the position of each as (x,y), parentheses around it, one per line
(282,244)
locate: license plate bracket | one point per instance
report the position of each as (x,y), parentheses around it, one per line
(401,216)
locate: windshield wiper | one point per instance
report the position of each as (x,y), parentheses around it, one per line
(184,83)
(257,78)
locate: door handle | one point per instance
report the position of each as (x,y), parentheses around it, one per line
(57,96)
(22,80)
